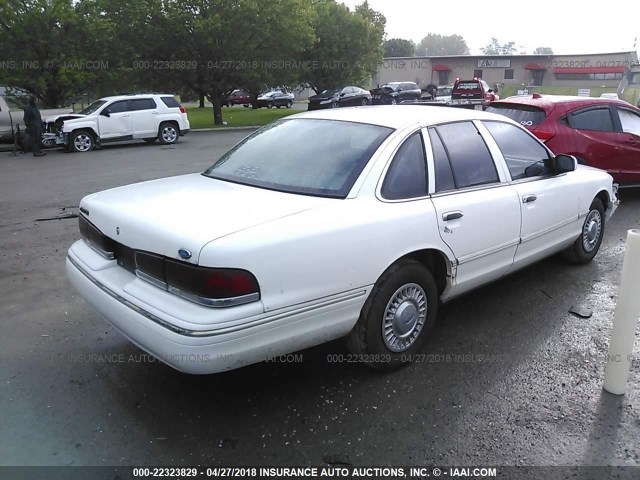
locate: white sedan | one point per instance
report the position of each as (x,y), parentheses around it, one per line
(358,228)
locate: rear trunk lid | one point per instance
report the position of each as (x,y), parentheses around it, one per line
(186,212)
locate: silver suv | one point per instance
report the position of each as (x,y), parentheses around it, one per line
(147,117)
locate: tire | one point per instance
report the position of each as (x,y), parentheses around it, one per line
(289,103)
(168,133)
(397,316)
(364,102)
(82,141)
(150,140)
(335,105)
(393,101)
(269,105)
(588,243)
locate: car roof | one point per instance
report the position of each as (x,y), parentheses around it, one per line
(136,95)
(549,101)
(400,116)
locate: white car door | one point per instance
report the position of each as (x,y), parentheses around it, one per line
(550,203)
(144,117)
(114,121)
(478,213)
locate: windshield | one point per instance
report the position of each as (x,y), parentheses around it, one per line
(322,157)
(93,107)
(525,115)
(16,102)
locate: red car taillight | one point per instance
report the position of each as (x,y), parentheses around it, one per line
(543,135)
(182,109)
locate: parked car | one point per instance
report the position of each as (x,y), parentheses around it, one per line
(147,117)
(474,93)
(275,98)
(360,237)
(438,94)
(12,115)
(600,132)
(393,93)
(238,97)
(340,97)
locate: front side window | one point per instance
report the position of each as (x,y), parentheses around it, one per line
(294,156)
(470,159)
(407,176)
(518,148)
(118,107)
(592,119)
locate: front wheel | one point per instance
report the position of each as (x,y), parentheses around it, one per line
(168,133)
(269,105)
(397,316)
(82,141)
(588,243)
(289,103)
(393,101)
(364,102)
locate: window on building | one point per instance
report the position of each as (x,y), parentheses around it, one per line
(443,78)
(589,76)
(508,74)
(538,75)
(477,73)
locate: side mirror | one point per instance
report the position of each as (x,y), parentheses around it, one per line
(105,112)
(562,163)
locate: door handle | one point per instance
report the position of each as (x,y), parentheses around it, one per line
(529,198)
(125,115)
(451,215)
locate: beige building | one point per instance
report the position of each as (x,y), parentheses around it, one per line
(592,74)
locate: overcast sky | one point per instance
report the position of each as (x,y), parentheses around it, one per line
(567,26)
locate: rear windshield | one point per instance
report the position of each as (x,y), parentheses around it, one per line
(467,86)
(170,102)
(525,115)
(308,156)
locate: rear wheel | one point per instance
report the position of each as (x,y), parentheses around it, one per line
(82,141)
(588,243)
(269,105)
(397,316)
(364,102)
(168,133)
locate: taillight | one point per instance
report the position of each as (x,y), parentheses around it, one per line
(96,239)
(543,135)
(182,109)
(217,287)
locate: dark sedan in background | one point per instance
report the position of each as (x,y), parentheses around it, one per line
(393,93)
(340,97)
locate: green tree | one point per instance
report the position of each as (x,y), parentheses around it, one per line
(214,46)
(399,47)
(348,46)
(54,53)
(435,45)
(543,51)
(495,48)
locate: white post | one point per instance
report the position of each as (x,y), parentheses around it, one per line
(626,318)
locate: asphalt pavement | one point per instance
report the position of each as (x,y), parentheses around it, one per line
(509,376)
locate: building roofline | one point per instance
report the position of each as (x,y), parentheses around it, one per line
(422,57)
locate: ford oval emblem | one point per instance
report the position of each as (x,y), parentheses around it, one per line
(184,253)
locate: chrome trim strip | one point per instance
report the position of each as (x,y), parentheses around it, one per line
(328,301)
(488,251)
(540,233)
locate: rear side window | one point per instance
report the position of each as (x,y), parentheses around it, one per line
(592,119)
(173,103)
(630,121)
(517,147)
(470,159)
(443,172)
(407,176)
(525,115)
(142,104)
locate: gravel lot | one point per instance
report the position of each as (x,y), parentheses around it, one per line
(513,379)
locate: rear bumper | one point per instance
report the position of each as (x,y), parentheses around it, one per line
(220,345)
(183,132)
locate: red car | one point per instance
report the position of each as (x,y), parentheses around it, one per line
(600,132)
(238,97)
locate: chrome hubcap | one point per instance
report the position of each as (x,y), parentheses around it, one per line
(591,230)
(404,317)
(82,142)
(169,134)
